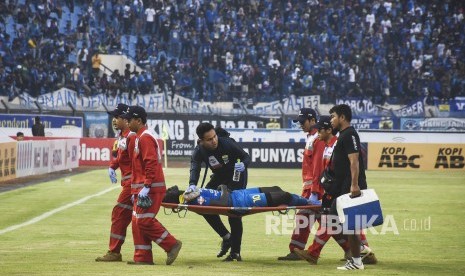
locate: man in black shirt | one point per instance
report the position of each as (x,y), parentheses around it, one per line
(38,128)
(347,164)
(223,156)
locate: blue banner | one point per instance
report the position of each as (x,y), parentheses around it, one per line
(437,124)
(451,108)
(49,121)
(365,107)
(373,122)
(96,124)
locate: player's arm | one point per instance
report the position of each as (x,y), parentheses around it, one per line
(196,165)
(148,150)
(239,152)
(354,171)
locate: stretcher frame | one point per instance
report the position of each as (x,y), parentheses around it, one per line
(181,210)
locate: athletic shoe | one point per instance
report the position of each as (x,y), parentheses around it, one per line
(225,246)
(368,256)
(110,257)
(290,257)
(350,265)
(233,257)
(139,263)
(303,254)
(173,253)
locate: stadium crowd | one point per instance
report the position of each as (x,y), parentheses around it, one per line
(389,51)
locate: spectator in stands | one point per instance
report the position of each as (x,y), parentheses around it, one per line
(323,39)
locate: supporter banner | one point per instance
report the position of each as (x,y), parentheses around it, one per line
(96,124)
(97,151)
(288,105)
(452,108)
(55,126)
(367,122)
(396,156)
(64,97)
(436,124)
(361,106)
(7,161)
(180,129)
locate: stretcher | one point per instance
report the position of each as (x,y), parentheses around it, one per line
(181,210)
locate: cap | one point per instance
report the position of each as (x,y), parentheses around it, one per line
(304,114)
(119,110)
(324,122)
(134,111)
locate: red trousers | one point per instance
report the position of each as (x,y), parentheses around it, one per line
(146,228)
(302,231)
(120,218)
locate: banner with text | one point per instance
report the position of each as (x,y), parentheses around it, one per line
(180,129)
(55,126)
(97,151)
(385,156)
(435,124)
(7,161)
(365,107)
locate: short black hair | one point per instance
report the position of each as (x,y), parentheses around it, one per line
(342,109)
(172,195)
(203,128)
(19,134)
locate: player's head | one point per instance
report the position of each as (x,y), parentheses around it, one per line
(341,115)
(118,122)
(325,129)
(173,194)
(207,136)
(37,119)
(136,116)
(306,119)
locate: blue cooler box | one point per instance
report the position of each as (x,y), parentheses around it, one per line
(361,212)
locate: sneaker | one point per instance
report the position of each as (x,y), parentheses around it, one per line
(110,257)
(303,254)
(225,246)
(139,263)
(173,253)
(368,256)
(350,265)
(290,257)
(233,257)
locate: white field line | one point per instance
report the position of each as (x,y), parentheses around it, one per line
(54,211)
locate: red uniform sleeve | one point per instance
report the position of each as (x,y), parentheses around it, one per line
(318,166)
(149,154)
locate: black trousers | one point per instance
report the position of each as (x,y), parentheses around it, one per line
(235,223)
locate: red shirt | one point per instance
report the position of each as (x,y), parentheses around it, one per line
(307,161)
(325,158)
(146,163)
(318,150)
(123,159)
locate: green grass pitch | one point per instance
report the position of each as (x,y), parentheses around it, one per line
(428,209)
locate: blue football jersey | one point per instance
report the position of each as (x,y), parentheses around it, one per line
(248,198)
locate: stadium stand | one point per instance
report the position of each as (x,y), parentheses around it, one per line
(389,51)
